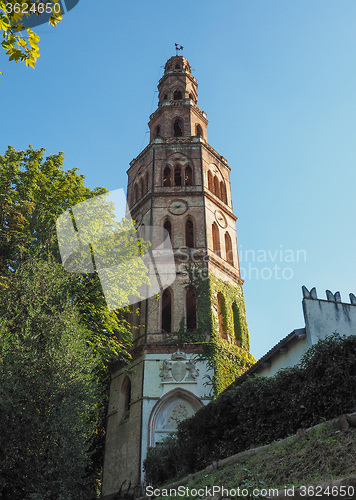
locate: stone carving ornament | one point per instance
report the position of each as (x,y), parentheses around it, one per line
(179,369)
(166,370)
(178,413)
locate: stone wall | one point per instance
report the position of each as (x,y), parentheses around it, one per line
(324,317)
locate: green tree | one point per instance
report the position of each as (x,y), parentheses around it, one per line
(34,192)
(49,396)
(20,41)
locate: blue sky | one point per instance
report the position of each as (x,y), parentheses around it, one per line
(277,80)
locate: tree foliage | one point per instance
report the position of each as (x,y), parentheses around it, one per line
(34,191)
(49,396)
(19,40)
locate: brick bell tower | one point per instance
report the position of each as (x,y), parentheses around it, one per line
(197,328)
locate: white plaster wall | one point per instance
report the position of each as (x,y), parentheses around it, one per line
(285,360)
(154,389)
(324,317)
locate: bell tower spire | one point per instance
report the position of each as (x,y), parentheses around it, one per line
(178,113)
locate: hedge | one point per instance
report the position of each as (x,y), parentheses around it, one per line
(262,409)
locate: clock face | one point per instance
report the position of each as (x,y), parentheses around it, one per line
(220,219)
(178,207)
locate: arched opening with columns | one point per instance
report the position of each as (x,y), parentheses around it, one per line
(188,176)
(221,316)
(177,95)
(228,249)
(177,176)
(210,181)
(167,177)
(216,186)
(216,239)
(178,128)
(189,233)
(191,310)
(167,311)
(237,324)
(172,408)
(223,192)
(167,225)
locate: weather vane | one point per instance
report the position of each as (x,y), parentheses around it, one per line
(178,48)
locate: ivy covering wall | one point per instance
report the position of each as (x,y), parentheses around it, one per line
(228,357)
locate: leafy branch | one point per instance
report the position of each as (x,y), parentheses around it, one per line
(19,40)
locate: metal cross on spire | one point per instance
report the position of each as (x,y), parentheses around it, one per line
(178,48)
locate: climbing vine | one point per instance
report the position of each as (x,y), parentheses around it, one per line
(227,357)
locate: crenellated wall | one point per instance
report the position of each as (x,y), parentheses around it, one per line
(324,317)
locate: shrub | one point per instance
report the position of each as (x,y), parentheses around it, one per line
(162,461)
(262,409)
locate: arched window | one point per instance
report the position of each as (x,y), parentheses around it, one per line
(177,66)
(135,193)
(177,176)
(165,98)
(210,181)
(168,227)
(167,177)
(166,311)
(189,233)
(158,131)
(191,310)
(216,186)
(178,128)
(188,176)
(223,191)
(221,315)
(142,187)
(216,240)
(237,324)
(199,130)
(126,391)
(228,249)
(177,95)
